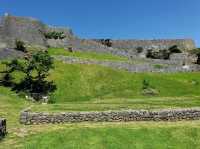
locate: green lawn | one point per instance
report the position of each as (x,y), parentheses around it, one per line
(97,88)
(80,83)
(86,55)
(140,135)
(119,136)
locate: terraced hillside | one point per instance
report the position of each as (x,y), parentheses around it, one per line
(82,87)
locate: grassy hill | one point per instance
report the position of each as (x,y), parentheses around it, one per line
(86,55)
(96,88)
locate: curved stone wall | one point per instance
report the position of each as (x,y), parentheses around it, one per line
(29,118)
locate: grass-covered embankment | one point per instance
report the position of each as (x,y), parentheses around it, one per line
(86,55)
(78,83)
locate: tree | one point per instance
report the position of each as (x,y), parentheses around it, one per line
(20,46)
(174,49)
(36,69)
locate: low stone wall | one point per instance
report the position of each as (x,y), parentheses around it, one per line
(29,118)
(2,128)
(137,65)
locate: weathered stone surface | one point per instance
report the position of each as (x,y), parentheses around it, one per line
(184,44)
(10,53)
(31,31)
(29,118)
(26,29)
(2,128)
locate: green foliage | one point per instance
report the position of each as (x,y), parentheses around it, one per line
(174,49)
(54,35)
(41,62)
(77,83)
(139,49)
(158,54)
(106,42)
(145,84)
(147,89)
(159,66)
(20,46)
(36,69)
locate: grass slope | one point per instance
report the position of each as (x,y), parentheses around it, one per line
(119,136)
(86,55)
(139,135)
(78,83)
(96,88)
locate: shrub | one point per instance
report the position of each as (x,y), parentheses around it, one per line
(106,42)
(54,35)
(158,54)
(145,84)
(139,49)
(174,49)
(20,46)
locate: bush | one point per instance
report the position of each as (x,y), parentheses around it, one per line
(106,42)
(139,49)
(174,49)
(20,46)
(158,54)
(54,35)
(145,84)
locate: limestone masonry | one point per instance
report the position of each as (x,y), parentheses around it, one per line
(32,32)
(148,65)
(29,118)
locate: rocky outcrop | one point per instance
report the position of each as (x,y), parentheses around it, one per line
(29,118)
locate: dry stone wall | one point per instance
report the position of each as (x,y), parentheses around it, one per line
(32,31)
(29,118)
(184,44)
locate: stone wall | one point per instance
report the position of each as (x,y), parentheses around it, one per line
(137,65)
(26,29)
(2,128)
(29,118)
(184,44)
(31,31)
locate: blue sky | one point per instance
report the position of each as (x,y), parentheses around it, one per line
(118,19)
